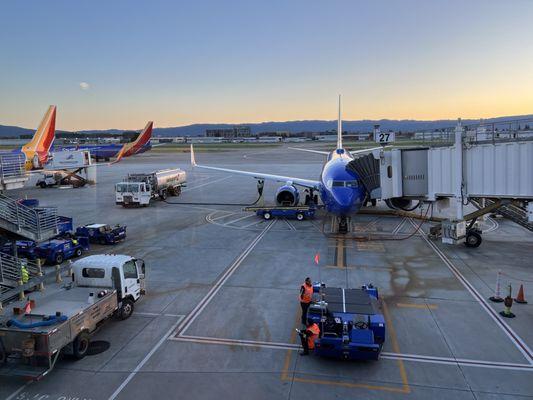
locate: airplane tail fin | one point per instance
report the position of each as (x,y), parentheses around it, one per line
(129,149)
(38,147)
(339,127)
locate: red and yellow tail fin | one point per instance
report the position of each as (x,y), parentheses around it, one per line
(129,149)
(36,150)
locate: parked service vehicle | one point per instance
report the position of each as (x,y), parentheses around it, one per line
(297,212)
(139,189)
(102,233)
(55,251)
(63,317)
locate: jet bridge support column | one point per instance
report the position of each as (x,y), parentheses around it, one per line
(458,192)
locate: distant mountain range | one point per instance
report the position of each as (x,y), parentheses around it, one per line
(289,126)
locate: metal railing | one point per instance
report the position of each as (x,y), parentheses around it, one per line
(11,269)
(12,165)
(37,221)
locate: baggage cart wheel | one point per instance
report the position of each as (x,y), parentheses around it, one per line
(300,217)
(473,239)
(81,345)
(59,258)
(267,215)
(126,309)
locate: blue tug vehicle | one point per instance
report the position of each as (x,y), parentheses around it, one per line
(352,326)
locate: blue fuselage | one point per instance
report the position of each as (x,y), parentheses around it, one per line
(340,189)
(101,151)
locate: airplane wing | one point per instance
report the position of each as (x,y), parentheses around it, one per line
(328,152)
(308,183)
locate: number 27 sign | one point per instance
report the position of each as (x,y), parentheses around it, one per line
(384,137)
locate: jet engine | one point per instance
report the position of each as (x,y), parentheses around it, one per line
(401,203)
(287,195)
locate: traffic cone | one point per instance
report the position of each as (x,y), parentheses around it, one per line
(508,302)
(497,298)
(520,298)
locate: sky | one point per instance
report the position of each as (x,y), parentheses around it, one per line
(117,64)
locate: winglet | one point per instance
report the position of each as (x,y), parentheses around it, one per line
(193,159)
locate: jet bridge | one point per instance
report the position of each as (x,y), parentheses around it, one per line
(491,172)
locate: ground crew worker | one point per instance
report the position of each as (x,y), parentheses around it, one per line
(306,294)
(24,274)
(74,241)
(308,337)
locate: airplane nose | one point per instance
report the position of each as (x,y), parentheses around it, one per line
(344,199)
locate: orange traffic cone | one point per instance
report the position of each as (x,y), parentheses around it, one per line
(520,298)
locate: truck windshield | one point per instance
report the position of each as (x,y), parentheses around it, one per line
(127,187)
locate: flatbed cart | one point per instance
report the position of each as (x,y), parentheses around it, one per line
(297,212)
(352,326)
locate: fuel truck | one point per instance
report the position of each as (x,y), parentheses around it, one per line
(140,189)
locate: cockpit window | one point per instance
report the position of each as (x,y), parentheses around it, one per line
(348,184)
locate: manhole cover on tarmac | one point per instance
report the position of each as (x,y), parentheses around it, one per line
(97,347)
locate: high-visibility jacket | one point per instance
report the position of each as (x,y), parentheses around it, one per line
(24,274)
(307,295)
(315,330)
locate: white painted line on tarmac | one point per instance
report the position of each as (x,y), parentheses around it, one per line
(238,219)
(149,314)
(222,216)
(16,392)
(145,360)
(188,189)
(385,355)
(189,319)
(511,334)
(253,223)
(291,226)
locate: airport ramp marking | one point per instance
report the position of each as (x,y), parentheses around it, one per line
(292,346)
(191,317)
(511,334)
(419,306)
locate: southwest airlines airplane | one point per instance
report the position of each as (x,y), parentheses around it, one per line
(340,189)
(36,151)
(107,151)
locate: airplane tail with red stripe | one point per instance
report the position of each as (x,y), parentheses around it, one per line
(139,145)
(37,149)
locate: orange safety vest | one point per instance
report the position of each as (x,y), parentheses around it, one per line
(311,339)
(307,294)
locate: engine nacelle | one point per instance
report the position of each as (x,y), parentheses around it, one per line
(400,203)
(287,195)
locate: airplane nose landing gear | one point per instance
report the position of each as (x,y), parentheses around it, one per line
(343,224)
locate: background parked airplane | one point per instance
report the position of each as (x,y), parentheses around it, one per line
(35,153)
(119,151)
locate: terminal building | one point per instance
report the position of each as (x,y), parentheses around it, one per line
(235,132)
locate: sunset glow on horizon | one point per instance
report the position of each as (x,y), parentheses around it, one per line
(118,64)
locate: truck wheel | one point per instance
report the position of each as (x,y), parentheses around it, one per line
(267,215)
(78,253)
(163,195)
(373,202)
(59,258)
(126,309)
(42,185)
(473,239)
(300,217)
(81,345)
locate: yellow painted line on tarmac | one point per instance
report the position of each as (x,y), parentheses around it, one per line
(420,306)
(404,389)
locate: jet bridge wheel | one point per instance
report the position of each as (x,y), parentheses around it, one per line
(473,239)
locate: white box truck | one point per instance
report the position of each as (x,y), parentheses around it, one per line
(62,318)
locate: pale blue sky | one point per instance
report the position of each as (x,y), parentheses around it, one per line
(247,61)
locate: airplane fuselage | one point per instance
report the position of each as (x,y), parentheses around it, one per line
(103,151)
(340,189)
